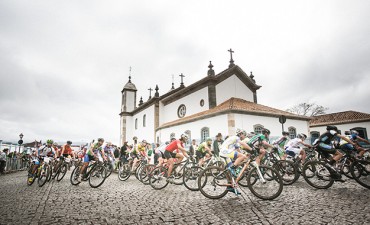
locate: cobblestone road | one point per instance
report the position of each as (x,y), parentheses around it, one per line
(130,202)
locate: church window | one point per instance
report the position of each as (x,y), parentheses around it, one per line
(202,102)
(144,120)
(172,135)
(135,123)
(181,111)
(204,133)
(188,132)
(258,128)
(292,132)
(314,136)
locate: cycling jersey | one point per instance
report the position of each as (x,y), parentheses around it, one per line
(67,150)
(229,143)
(96,149)
(173,145)
(282,141)
(46,151)
(327,137)
(256,140)
(202,147)
(352,137)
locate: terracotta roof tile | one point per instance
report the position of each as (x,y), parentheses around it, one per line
(339,118)
(236,105)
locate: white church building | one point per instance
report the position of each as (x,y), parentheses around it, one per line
(218,103)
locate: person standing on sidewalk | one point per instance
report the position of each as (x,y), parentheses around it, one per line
(3,160)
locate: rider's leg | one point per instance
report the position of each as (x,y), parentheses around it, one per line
(180,157)
(239,158)
(260,156)
(170,166)
(303,156)
(134,164)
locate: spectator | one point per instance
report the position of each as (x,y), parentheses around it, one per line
(3,160)
(193,147)
(217,143)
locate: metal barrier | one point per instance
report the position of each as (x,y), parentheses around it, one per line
(15,164)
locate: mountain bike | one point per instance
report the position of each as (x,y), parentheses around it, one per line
(263,181)
(95,173)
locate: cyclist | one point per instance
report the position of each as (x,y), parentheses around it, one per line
(259,143)
(56,149)
(67,150)
(202,150)
(170,155)
(281,142)
(40,154)
(159,153)
(139,150)
(217,144)
(93,153)
(324,144)
(353,136)
(108,152)
(293,147)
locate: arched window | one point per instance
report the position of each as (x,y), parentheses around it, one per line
(258,128)
(314,136)
(144,120)
(135,123)
(172,135)
(204,133)
(188,132)
(292,132)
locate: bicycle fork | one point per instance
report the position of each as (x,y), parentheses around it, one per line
(260,174)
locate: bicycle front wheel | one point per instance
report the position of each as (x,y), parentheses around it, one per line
(213,182)
(43,176)
(158,179)
(145,173)
(97,176)
(124,172)
(317,174)
(190,178)
(266,183)
(62,172)
(74,176)
(287,170)
(360,171)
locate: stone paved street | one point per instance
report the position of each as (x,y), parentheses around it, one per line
(131,202)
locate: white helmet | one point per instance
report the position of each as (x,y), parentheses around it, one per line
(301,135)
(354,132)
(240,131)
(184,137)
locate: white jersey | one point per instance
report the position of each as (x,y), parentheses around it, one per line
(45,150)
(294,143)
(229,143)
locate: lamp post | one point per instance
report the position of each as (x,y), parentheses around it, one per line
(20,142)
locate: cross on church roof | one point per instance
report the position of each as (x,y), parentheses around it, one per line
(129,77)
(182,80)
(150,92)
(231,58)
(173,84)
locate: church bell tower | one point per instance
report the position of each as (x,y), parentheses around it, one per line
(127,106)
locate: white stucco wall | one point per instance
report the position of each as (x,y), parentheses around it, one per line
(217,124)
(192,102)
(247,123)
(232,87)
(344,127)
(130,101)
(141,132)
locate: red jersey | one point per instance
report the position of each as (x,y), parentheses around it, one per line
(67,150)
(173,145)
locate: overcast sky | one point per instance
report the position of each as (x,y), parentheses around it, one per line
(63,64)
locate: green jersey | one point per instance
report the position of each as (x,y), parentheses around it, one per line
(256,140)
(202,147)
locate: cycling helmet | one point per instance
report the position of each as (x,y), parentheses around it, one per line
(49,141)
(285,133)
(100,139)
(144,142)
(184,137)
(69,142)
(209,139)
(264,131)
(331,127)
(354,132)
(241,132)
(56,144)
(301,135)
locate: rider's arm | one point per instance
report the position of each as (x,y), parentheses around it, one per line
(362,139)
(208,150)
(245,145)
(183,150)
(63,148)
(264,143)
(307,145)
(346,139)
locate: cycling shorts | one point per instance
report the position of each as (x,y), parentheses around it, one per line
(160,155)
(200,155)
(326,149)
(294,150)
(169,155)
(88,158)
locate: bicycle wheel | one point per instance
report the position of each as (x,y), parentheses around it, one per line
(145,173)
(43,176)
(50,173)
(360,171)
(97,176)
(62,172)
(212,182)
(109,168)
(137,171)
(74,176)
(346,169)
(31,177)
(178,173)
(190,178)
(124,172)
(287,170)
(267,185)
(317,175)
(219,164)
(158,178)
